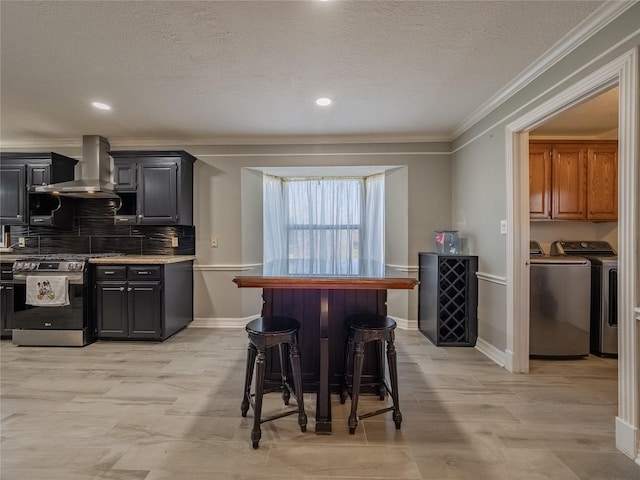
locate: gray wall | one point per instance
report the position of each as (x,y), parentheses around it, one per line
(228,204)
(479,193)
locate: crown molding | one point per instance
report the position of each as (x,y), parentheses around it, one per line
(150,142)
(595,22)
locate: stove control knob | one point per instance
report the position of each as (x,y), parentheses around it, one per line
(33,266)
(17,266)
(583,244)
(75,266)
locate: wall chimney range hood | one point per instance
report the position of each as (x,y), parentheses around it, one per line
(95,181)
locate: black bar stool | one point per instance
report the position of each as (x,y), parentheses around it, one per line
(362,329)
(266,332)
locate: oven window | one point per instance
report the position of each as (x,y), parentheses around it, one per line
(69,317)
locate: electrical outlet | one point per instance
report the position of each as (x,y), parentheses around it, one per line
(22,242)
(214,242)
(503,227)
(174,241)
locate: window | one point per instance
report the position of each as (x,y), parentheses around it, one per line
(324,225)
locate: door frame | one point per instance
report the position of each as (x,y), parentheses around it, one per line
(623,71)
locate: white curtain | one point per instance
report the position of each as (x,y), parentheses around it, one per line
(274,228)
(373,248)
(324,225)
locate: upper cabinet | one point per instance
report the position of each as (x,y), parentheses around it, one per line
(156,187)
(602,181)
(573,180)
(20,173)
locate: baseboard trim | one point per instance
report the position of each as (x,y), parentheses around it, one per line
(627,439)
(490,351)
(209,322)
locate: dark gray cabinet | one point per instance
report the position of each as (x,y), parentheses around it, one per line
(143,302)
(6,300)
(13,195)
(448,299)
(20,173)
(156,187)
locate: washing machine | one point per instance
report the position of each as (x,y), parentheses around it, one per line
(559,315)
(604,290)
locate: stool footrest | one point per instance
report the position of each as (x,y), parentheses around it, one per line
(377,412)
(279,415)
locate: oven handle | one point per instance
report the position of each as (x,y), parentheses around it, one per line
(71,279)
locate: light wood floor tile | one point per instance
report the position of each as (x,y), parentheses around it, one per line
(171,411)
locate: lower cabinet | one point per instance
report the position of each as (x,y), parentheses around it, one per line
(143,302)
(6,309)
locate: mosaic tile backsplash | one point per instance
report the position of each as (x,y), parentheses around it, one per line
(94,231)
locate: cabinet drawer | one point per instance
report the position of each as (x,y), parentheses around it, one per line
(115,272)
(149,272)
(124,220)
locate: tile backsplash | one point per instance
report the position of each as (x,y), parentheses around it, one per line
(93,231)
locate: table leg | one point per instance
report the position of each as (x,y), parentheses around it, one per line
(323,400)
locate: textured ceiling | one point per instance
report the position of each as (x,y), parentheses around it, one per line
(595,117)
(246,71)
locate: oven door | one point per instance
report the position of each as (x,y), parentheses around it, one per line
(70,317)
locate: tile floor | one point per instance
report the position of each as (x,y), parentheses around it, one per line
(171,411)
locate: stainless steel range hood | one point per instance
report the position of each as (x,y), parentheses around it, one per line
(95,181)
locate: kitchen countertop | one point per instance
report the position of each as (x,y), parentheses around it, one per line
(141,259)
(121,260)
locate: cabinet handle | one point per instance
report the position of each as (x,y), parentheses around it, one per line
(109,272)
(1,288)
(129,289)
(19,216)
(123,219)
(38,220)
(143,272)
(122,289)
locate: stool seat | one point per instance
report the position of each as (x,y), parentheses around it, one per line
(272,326)
(361,329)
(370,322)
(264,333)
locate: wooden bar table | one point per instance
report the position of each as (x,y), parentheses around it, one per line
(321,302)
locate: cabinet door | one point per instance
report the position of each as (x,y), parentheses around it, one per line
(6,310)
(569,182)
(111,309)
(144,309)
(38,175)
(539,181)
(158,193)
(602,182)
(13,195)
(124,176)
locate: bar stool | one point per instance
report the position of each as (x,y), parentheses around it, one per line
(266,332)
(363,329)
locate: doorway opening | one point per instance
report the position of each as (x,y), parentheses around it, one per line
(622,72)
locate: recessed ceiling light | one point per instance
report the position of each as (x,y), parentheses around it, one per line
(101,106)
(323,101)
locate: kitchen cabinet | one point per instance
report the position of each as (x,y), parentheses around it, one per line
(143,302)
(156,187)
(13,195)
(20,173)
(602,182)
(573,181)
(6,300)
